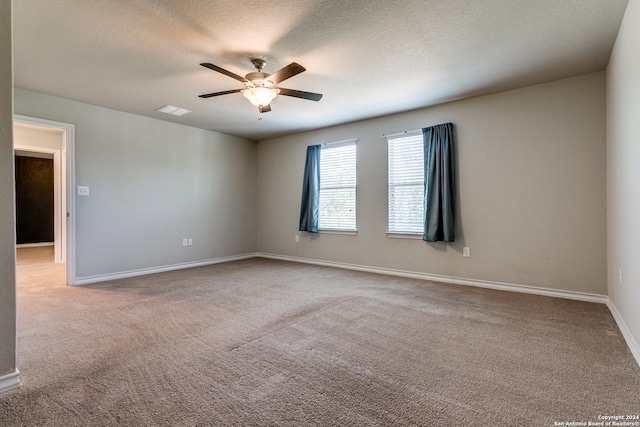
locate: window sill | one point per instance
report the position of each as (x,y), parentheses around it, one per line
(410,236)
(343,232)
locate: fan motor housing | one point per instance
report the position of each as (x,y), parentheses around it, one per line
(259,79)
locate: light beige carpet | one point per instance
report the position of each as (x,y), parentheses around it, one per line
(35,268)
(268,343)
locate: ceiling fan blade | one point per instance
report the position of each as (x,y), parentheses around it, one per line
(223,71)
(286,73)
(265,108)
(209,95)
(300,94)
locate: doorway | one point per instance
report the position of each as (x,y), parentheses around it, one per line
(40,138)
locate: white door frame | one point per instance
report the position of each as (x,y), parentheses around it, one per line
(64,216)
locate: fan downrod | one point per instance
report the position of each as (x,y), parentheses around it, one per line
(258,63)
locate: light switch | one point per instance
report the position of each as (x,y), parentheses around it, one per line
(83,191)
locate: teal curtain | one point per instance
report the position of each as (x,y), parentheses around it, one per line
(439,174)
(310,191)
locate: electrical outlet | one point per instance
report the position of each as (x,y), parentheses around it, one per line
(184,242)
(190,242)
(466,251)
(297,238)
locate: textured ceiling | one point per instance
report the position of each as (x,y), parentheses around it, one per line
(369,58)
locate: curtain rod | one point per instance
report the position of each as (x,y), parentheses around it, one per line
(340,142)
(391,135)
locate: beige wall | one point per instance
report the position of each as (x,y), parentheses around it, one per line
(623,171)
(531,172)
(152,183)
(7,227)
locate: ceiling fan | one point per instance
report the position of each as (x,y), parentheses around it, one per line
(261,88)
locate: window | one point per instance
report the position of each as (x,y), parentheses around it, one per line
(338,187)
(406,183)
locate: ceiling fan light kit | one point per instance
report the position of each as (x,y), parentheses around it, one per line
(260,96)
(261,88)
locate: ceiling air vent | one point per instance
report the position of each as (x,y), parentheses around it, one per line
(176,111)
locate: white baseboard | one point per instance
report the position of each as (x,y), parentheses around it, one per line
(34,245)
(580,296)
(626,333)
(10,382)
(132,273)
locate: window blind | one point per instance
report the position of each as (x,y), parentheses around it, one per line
(406,183)
(338,187)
